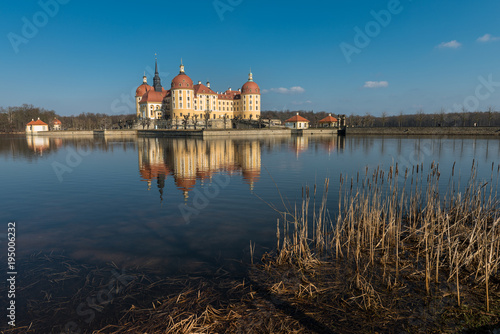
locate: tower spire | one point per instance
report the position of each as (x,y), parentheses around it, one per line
(156,80)
(182,67)
(250,75)
(156,65)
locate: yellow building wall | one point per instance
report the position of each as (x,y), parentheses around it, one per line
(182,103)
(250,106)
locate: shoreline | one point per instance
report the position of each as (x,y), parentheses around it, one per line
(160,133)
(424,131)
(349,131)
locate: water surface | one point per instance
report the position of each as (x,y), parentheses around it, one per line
(186,205)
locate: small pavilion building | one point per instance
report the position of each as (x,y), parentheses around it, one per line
(36,126)
(56,124)
(297,122)
(329,122)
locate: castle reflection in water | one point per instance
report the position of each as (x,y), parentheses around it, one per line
(189,160)
(192,160)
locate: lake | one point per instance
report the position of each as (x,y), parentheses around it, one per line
(188,206)
(181,204)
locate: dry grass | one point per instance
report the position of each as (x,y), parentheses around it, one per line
(396,242)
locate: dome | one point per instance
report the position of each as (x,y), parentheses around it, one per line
(142,89)
(182,81)
(250,88)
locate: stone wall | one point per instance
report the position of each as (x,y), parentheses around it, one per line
(116,133)
(316,131)
(170,133)
(433,131)
(75,133)
(248,132)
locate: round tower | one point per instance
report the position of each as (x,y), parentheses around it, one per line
(182,94)
(140,91)
(250,99)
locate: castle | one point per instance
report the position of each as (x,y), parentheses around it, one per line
(196,101)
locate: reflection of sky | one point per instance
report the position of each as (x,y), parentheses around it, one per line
(103,212)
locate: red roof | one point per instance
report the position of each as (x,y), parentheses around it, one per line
(182,81)
(296,118)
(202,89)
(154,96)
(37,122)
(230,95)
(329,119)
(142,89)
(250,87)
(251,175)
(149,172)
(185,184)
(56,121)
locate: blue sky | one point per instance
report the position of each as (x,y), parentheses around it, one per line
(90,56)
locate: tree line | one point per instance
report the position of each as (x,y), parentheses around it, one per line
(14,119)
(490,117)
(311,116)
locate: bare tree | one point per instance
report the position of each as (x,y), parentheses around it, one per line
(420,117)
(224,118)
(185,121)
(489,115)
(463,116)
(207,117)
(400,118)
(384,116)
(368,120)
(145,122)
(195,120)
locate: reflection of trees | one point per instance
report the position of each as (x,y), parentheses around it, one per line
(33,147)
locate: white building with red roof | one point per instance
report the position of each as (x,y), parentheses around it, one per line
(56,124)
(297,122)
(329,122)
(36,126)
(184,98)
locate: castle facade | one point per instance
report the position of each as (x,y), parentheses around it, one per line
(196,101)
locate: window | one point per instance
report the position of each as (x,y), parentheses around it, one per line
(181,114)
(180,98)
(188,97)
(180,105)
(188,105)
